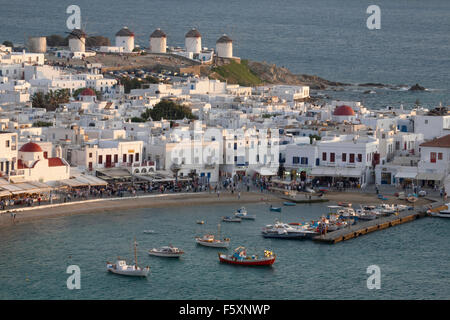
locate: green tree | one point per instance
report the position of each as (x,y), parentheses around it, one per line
(314,136)
(51,100)
(55,40)
(42,124)
(8,43)
(97,41)
(168,110)
(137,119)
(38,100)
(135,83)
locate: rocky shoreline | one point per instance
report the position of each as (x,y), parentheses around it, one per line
(268,73)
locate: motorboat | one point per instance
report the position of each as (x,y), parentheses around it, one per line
(231,219)
(347,213)
(240,257)
(200,222)
(166,251)
(386,209)
(282,230)
(345,204)
(366,215)
(149,231)
(401,207)
(121,267)
(210,240)
(242,213)
(443,213)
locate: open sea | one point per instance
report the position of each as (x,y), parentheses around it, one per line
(327,38)
(413,258)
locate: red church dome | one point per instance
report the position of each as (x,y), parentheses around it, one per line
(87,92)
(30,147)
(343,111)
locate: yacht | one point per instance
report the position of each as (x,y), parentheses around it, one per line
(283,231)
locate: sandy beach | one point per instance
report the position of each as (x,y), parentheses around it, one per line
(148,201)
(171,200)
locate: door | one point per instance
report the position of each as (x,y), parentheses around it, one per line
(108,161)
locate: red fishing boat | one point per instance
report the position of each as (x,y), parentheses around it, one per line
(240,257)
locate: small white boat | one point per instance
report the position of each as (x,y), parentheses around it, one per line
(121,267)
(166,251)
(443,213)
(231,219)
(210,240)
(401,207)
(242,214)
(149,231)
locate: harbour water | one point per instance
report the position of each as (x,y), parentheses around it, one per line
(34,256)
(326,38)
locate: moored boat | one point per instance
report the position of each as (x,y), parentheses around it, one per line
(276,209)
(442,213)
(282,230)
(231,219)
(166,251)
(121,267)
(243,214)
(289,204)
(345,204)
(210,240)
(240,257)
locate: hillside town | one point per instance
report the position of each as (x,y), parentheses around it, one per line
(69,132)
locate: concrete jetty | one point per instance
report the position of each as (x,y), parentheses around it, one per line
(365,227)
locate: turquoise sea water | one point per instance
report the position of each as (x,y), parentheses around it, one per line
(327,38)
(414,258)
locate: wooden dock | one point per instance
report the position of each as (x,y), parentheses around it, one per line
(365,227)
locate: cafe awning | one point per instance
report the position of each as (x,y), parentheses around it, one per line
(430,176)
(4,193)
(91,180)
(24,188)
(405,175)
(336,172)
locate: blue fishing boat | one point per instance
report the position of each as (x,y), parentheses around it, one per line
(289,204)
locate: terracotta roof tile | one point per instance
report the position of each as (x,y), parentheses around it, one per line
(442,142)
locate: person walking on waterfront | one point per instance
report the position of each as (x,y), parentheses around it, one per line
(239,195)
